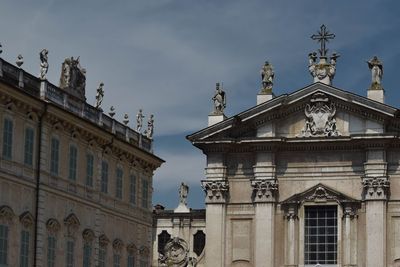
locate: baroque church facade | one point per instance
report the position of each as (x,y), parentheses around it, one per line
(75,184)
(309,178)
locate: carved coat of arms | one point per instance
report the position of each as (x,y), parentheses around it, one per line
(320,117)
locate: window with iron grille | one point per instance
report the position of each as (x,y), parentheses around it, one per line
(7,138)
(29,141)
(3,245)
(118,188)
(320,235)
(51,251)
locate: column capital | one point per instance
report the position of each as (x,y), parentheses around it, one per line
(216,191)
(350,210)
(291,213)
(264,190)
(376,188)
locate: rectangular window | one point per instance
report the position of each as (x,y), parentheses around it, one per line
(145,193)
(117,260)
(7,138)
(54,156)
(51,251)
(143,262)
(24,249)
(102,256)
(131,260)
(3,244)
(70,254)
(132,189)
(29,141)
(73,157)
(320,230)
(89,169)
(87,254)
(118,188)
(104,177)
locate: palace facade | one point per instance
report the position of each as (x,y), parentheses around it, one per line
(75,184)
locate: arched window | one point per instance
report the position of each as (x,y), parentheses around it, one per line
(163,239)
(199,241)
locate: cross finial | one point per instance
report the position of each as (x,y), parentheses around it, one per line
(323,37)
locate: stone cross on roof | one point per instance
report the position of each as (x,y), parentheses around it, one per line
(323,37)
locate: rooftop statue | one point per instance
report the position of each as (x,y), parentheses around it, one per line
(44,64)
(183,193)
(267,77)
(139,120)
(99,96)
(219,100)
(322,71)
(150,127)
(376,67)
(73,77)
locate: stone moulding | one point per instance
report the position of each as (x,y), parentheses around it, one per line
(216,190)
(264,190)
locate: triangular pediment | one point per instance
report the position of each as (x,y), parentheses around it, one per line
(286,116)
(319,193)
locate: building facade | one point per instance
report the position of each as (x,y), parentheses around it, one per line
(75,184)
(309,178)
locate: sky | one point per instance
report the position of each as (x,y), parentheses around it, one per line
(165,56)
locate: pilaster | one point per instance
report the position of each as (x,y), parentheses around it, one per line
(350,218)
(291,243)
(216,198)
(376,192)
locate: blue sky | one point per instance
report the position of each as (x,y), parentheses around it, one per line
(165,56)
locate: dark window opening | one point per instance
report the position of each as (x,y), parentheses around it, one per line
(163,239)
(199,242)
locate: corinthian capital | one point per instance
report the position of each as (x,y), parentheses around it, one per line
(376,187)
(216,190)
(264,190)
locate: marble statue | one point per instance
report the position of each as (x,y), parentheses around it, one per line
(376,67)
(139,120)
(219,100)
(44,65)
(73,76)
(150,127)
(183,193)
(267,77)
(99,96)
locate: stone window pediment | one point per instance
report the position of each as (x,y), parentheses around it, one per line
(26,219)
(6,213)
(319,193)
(53,226)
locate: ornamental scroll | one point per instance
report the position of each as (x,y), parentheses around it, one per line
(320,117)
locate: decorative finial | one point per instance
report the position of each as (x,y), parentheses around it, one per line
(1,50)
(44,65)
(20,60)
(112,112)
(376,67)
(323,37)
(150,127)
(323,71)
(99,95)
(126,119)
(139,120)
(219,100)
(267,77)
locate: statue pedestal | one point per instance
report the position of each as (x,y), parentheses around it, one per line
(181,208)
(215,118)
(264,97)
(376,92)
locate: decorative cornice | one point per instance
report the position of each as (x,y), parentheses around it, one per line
(216,190)
(264,190)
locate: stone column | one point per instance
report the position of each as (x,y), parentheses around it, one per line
(264,201)
(291,244)
(349,236)
(216,197)
(376,189)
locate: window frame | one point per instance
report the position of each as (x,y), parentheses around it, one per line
(54,156)
(89,169)
(24,248)
(4,240)
(29,146)
(7,142)
(132,188)
(72,162)
(51,251)
(104,177)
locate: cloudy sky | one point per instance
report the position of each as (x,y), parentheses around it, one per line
(165,56)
